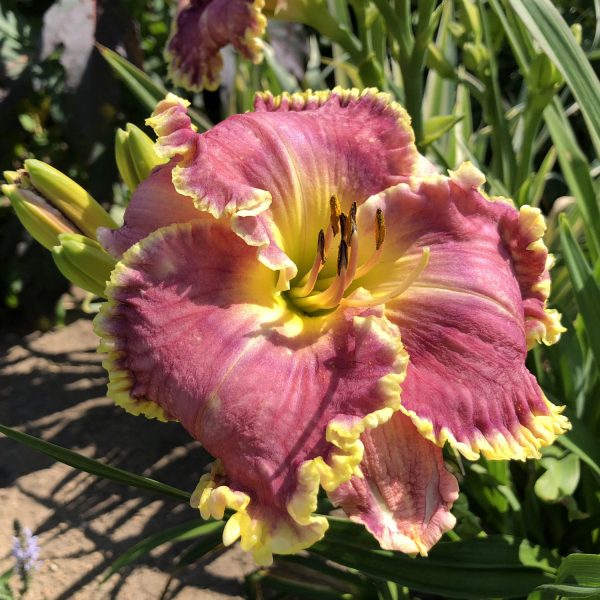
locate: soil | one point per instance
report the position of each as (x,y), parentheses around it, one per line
(53,386)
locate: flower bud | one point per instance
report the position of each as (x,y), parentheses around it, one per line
(83,262)
(41,220)
(438,62)
(68,197)
(543,75)
(135,155)
(476,57)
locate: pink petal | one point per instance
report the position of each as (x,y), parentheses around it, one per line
(201,28)
(466,320)
(196,332)
(290,156)
(154,204)
(405,494)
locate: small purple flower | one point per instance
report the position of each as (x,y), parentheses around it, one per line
(26,551)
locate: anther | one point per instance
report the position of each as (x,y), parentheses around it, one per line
(379,229)
(351,223)
(336,211)
(321,246)
(342,224)
(342,261)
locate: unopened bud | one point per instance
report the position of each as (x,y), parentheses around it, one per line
(135,155)
(438,62)
(476,57)
(42,221)
(543,75)
(83,262)
(68,197)
(11,176)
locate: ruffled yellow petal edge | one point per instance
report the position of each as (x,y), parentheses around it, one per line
(523,444)
(544,429)
(257,535)
(309,100)
(544,329)
(119,379)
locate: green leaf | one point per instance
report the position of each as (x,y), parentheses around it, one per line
(576,170)
(585,286)
(560,479)
(89,465)
(436,127)
(497,566)
(552,33)
(577,577)
(184,531)
(147,91)
(582,443)
(208,543)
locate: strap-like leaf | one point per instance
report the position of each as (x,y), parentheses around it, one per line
(89,465)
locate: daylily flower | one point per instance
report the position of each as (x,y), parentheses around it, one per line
(201,28)
(318,307)
(199,31)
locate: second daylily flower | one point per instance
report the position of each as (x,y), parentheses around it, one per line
(319,308)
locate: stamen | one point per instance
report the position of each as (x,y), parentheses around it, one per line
(353,262)
(416,272)
(327,299)
(307,283)
(379,239)
(321,246)
(336,211)
(343,218)
(342,261)
(379,229)
(333,295)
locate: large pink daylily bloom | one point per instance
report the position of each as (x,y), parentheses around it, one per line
(318,307)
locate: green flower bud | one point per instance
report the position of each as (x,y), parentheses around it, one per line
(476,57)
(437,61)
(83,262)
(543,75)
(135,155)
(11,176)
(68,197)
(42,221)
(577,32)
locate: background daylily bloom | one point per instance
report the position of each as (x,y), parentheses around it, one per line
(319,308)
(199,31)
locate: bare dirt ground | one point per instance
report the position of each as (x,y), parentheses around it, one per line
(53,386)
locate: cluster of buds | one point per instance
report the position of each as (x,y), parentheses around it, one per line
(63,217)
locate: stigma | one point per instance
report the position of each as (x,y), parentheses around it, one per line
(313,293)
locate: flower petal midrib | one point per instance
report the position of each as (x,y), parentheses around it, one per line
(471,293)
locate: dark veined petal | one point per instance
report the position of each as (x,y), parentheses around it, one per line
(404,493)
(468,318)
(273,171)
(195,332)
(199,31)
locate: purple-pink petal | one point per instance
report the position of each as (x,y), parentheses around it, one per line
(405,493)
(465,320)
(288,158)
(193,326)
(202,28)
